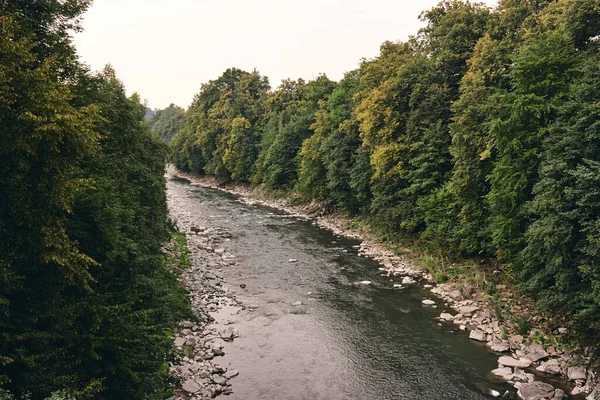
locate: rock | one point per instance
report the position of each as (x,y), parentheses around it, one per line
(558,394)
(398,286)
(191,387)
(562,331)
(428,302)
(292,260)
(536,391)
(515,341)
(577,372)
(407,280)
(428,286)
(478,335)
(468,311)
(364,283)
(455,295)
(508,361)
(447,317)
(219,380)
(297,303)
(501,347)
(232,373)
(494,393)
(536,352)
(595,395)
(505,373)
(180,341)
(243,286)
(549,367)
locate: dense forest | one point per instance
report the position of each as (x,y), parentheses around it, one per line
(87,302)
(479,135)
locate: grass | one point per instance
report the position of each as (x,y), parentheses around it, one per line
(179,254)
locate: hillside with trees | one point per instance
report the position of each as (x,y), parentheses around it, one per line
(87,303)
(478,136)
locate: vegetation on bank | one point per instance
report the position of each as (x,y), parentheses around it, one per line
(478,136)
(87,301)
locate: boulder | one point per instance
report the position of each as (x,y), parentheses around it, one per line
(447,317)
(515,341)
(501,347)
(577,372)
(508,361)
(551,367)
(536,352)
(191,387)
(455,295)
(536,391)
(478,335)
(231,373)
(505,373)
(468,311)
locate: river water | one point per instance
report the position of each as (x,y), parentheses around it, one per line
(344,341)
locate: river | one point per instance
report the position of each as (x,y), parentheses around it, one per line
(345,341)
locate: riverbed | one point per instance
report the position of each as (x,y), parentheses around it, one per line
(309,330)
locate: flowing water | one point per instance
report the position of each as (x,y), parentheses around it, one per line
(344,341)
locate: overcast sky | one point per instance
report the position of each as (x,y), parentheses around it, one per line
(164,49)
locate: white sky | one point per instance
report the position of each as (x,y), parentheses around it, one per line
(164,49)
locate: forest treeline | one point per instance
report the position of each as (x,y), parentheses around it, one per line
(87,302)
(480,134)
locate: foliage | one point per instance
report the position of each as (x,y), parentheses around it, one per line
(86,298)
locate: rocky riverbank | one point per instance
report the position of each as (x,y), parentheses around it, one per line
(527,362)
(201,344)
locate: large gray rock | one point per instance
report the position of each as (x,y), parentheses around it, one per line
(501,347)
(191,387)
(467,311)
(508,361)
(551,367)
(576,373)
(536,391)
(515,341)
(478,335)
(505,373)
(536,352)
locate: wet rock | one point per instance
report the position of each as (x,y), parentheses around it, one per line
(536,391)
(219,380)
(447,317)
(505,373)
(407,280)
(508,361)
(231,374)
